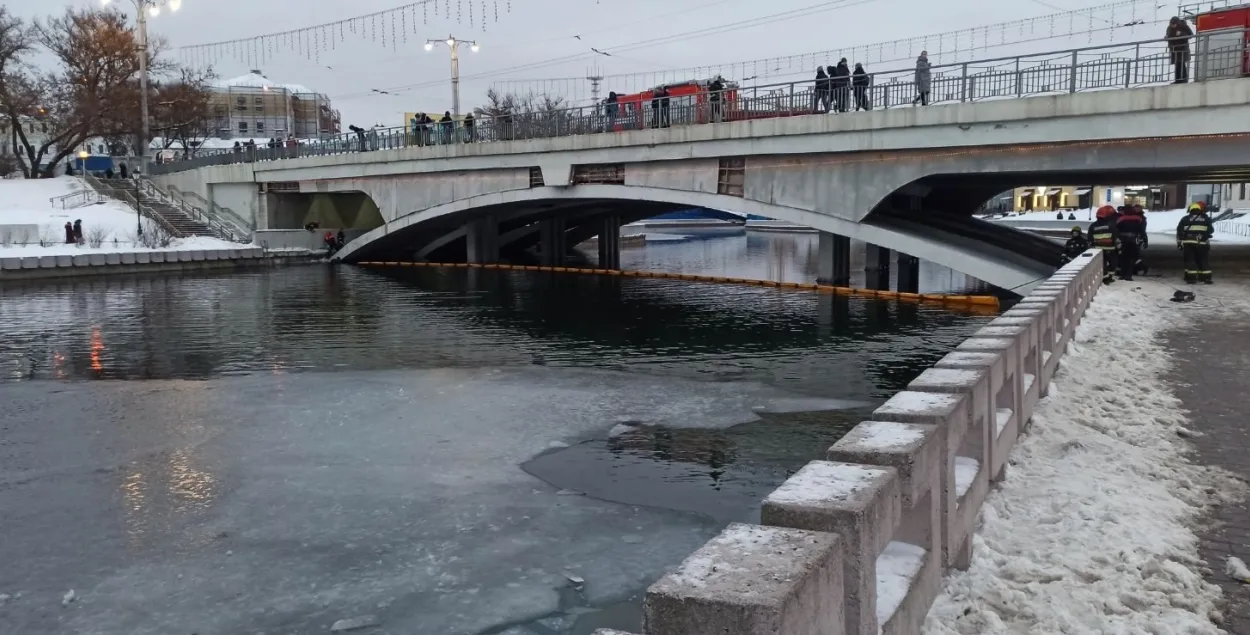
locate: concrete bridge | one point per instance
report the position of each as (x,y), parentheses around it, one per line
(903,179)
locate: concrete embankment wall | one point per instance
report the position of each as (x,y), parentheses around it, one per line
(19,269)
(856,543)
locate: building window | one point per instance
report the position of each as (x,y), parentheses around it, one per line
(259,100)
(1243,191)
(44,127)
(242,126)
(241,101)
(260,127)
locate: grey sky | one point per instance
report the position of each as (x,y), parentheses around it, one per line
(537,30)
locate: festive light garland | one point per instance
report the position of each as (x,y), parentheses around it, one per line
(944,48)
(389,28)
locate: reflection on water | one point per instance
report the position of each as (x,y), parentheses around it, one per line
(800,368)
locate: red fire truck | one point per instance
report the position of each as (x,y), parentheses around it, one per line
(691,102)
(1220,48)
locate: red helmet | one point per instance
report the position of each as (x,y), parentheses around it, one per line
(1106,211)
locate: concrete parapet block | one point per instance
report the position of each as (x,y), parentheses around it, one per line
(213,254)
(945,411)
(10,263)
(178,256)
(112,259)
(917,453)
(861,503)
(236,254)
(47,262)
(254,252)
(128,258)
(143,257)
(65,261)
(970,454)
(752,580)
(1006,400)
(197,255)
(30,262)
(1016,375)
(97,260)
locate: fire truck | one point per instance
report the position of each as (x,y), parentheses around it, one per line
(1220,46)
(692,102)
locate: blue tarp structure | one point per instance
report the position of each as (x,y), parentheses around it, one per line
(94,163)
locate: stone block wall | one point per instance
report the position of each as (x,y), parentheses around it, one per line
(893,503)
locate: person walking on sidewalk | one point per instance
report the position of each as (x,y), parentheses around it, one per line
(860,81)
(1178,35)
(1193,237)
(924,79)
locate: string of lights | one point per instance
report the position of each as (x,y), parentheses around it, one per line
(389,28)
(593,52)
(1117,21)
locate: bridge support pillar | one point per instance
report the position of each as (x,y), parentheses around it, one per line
(908,273)
(877,268)
(482,240)
(834,266)
(610,242)
(553,243)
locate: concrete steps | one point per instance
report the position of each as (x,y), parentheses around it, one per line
(174,218)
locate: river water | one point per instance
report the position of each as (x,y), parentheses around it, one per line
(448,451)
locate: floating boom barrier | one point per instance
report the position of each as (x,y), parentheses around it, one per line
(975,303)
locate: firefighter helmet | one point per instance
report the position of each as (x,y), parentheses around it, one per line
(1076,229)
(1199,207)
(1106,211)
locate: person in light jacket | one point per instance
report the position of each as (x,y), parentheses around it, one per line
(924,79)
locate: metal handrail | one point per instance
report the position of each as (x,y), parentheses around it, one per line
(125,196)
(220,229)
(76,199)
(224,215)
(1215,55)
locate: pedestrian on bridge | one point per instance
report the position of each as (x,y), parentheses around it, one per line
(1193,237)
(924,79)
(860,82)
(1177,35)
(841,84)
(820,98)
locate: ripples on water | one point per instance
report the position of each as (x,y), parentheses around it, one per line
(304,320)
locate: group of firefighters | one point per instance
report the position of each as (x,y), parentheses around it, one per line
(1121,235)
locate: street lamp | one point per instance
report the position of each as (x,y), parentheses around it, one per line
(142,9)
(454,46)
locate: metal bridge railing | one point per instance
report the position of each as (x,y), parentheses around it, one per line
(1213,55)
(77,199)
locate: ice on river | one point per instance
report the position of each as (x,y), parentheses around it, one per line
(394,494)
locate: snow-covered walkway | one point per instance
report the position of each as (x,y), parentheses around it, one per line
(26,203)
(1092,530)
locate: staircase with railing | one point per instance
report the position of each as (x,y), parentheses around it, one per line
(173,215)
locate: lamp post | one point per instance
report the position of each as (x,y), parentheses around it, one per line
(454,45)
(143,8)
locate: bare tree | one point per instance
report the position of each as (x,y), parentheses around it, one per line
(182,110)
(92,91)
(16,43)
(526,116)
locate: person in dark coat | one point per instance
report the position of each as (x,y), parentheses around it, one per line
(1193,237)
(125,171)
(1131,226)
(1177,35)
(860,81)
(841,84)
(924,79)
(69,234)
(341,238)
(1076,245)
(717,97)
(78,231)
(360,136)
(468,128)
(665,104)
(820,98)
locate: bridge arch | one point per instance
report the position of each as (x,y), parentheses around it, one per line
(965,256)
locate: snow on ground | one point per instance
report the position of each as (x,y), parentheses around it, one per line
(1090,532)
(27,202)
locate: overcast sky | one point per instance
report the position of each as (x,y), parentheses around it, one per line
(538,30)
